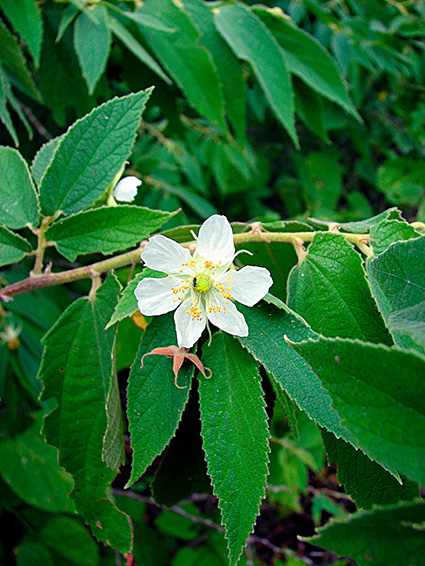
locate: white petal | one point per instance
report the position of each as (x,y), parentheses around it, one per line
(163,254)
(156,296)
(228,318)
(215,240)
(248,285)
(126,189)
(189,328)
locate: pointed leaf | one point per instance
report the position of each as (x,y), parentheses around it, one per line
(26,21)
(13,247)
(367,389)
(388,232)
(329,290)
(90,154)
(105,230)
(18,199)
(397,279)
(260,49)
(76,371)
(43,157)
(155,404)
(235,437)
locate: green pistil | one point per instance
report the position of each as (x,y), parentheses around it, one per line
(201,283)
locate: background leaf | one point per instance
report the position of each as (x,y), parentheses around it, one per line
(13,248)
(26,21)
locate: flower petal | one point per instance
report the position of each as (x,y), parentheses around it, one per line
(126,189)
(163,254)
(248,285)
(215,241)
(189,328)
(156,296)
(227,317)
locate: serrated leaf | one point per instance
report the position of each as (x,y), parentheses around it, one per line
(155,404)
(228,67)
(389,231)
(262,52)
(397,279)
(18,199)
(186,61)
(30,467)
(105,230)
(365,384)
(134,46)
(26,21)
(92,43)
(268,328)
(363,226)
(330,291)
(4,111)
(365,480)
(127,305)
(113,442)
(307,58)
(90,154)
(43,157)
(235,437)
(381,536)
(68,16)
(13,247)
(76,371)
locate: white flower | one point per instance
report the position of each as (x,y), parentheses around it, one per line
(126,189)
(200,287)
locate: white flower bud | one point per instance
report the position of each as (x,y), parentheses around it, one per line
(126,189)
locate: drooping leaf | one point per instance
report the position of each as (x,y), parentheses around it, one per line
(4,110)
(364,382)
(397,279)
(90,154)
(330,291)
(306,57)
(262,52)
(105,230)
(365,480)
(92,42)
(12,247)
(30,467)
(235,437)
(382,536)
(18,199)
(389,231)
(68,16)
(155,404)
(76,371)
(26,21)
(186,61)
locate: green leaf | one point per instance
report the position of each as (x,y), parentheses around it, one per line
(76,371)
(262,52)
(5,117)
(189,64)
(13,57)
(309,107)
(92,42)
(155,404)
(397,279)
(105,230)
(268,329)
(33,553)
(30,467)
(366,386)
(18,199)
(329,290)
(68,16)
(127,305)
(71,540)
(26,21)
(381,536)
(402,181)
(366,481)
(90,154)
(43,157)
(134,46)
(113,442)
(307,58)
(363,226)
(228,67)
(12,247)
(235,437)
(389,231)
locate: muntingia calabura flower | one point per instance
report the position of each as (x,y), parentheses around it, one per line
(202,287)
(126,189)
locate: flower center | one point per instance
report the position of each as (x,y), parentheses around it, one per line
(202,283)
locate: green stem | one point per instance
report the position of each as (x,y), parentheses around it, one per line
(38,280)
(41,247)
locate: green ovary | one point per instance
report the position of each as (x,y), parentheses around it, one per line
(202,283)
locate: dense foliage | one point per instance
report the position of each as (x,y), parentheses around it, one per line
(301,121)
